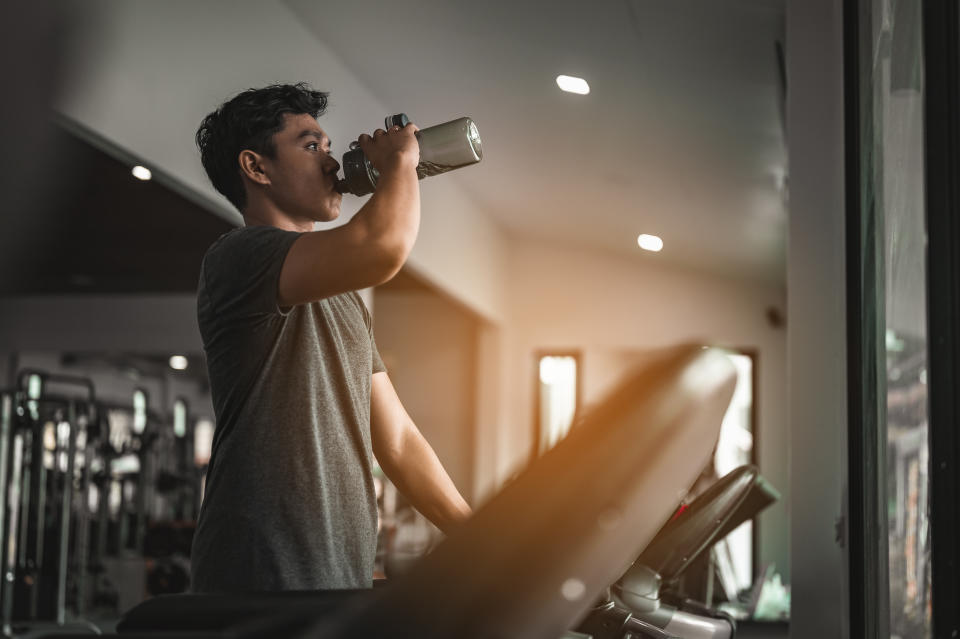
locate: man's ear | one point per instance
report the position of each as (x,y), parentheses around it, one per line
(251,165)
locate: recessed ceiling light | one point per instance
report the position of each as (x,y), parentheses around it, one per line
(141,172)
(571,84)
(178,362)
(650,242)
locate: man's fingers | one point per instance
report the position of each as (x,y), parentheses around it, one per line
(386,146)
(379,133)
(365,142)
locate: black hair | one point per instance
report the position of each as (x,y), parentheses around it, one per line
(249,121)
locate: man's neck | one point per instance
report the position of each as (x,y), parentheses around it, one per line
(266,213)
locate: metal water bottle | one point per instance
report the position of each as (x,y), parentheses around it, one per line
(443,148)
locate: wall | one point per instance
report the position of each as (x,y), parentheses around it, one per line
(428,345)
(37,329)
(613,309)
(491,417)
(816,321)
(162,323)
(144,74)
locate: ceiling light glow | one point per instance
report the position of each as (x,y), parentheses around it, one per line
(650,242)
(179,363)
(141,172)
(571,84)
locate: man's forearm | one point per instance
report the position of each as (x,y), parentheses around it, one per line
(418,474)
(392,214)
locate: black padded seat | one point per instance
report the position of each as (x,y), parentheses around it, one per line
(218,612)
(137,635)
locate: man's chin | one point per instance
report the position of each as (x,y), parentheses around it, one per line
(329,213)
(327,219)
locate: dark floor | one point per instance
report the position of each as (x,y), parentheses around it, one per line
(762,629)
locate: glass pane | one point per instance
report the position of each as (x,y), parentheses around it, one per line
(895,175)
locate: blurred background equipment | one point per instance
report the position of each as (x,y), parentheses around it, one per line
(98,500)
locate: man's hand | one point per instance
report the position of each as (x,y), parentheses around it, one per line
(391,150)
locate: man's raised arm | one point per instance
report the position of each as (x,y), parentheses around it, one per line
(371,247)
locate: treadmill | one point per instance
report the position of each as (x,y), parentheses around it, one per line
(691,531)
(535,560)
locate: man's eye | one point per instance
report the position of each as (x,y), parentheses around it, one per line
(314,145)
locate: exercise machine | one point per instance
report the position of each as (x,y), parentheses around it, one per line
(536,560)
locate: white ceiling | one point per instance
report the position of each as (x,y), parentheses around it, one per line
(681,135)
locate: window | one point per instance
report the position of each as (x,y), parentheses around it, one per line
(735,554)
(890,533)
(556,397)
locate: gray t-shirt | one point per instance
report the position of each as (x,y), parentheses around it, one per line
(289,501)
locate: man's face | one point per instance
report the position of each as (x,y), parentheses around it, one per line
(302,171)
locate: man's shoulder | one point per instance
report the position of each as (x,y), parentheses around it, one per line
(221,242)
(248,243)
(243,234)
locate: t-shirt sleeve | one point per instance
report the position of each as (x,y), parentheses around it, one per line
(242,271)
(376,361)
(378,365)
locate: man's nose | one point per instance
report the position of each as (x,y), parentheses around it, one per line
(331,165)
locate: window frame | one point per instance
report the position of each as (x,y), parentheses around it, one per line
(941,42)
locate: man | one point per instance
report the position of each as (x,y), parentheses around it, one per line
(301,396)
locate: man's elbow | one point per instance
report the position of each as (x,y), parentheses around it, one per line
(388,457)
(392,253)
